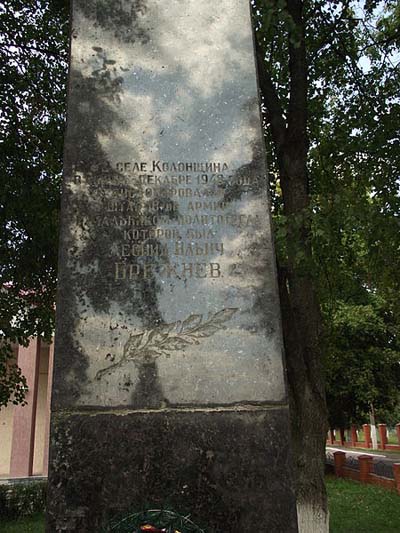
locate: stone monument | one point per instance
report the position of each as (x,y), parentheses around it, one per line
(169,388)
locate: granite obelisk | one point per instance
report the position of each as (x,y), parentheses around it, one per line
(169,386)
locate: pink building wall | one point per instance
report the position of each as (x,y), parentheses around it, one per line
(24,429)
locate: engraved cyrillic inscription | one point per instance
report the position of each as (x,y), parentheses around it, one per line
(163,220)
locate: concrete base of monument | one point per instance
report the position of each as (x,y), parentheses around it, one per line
(228,469)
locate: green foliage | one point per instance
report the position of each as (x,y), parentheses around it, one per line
(363,365)
(22,499)
(353,177)
(12,382)
(33,50)
(355,168)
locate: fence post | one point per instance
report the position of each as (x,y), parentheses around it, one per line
(340,460)
(382,436)
(353,436)
(342,436)
(365,463)
(367,435)
(396,471)
(398,432)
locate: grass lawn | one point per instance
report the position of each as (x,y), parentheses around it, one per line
(354,508)
(34,524)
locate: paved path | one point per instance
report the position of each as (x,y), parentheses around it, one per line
(389,458)
(382,463)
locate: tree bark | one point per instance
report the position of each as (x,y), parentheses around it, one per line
(300,307)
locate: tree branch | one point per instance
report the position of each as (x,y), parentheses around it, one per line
(331,30)
(297,114)
(271,100)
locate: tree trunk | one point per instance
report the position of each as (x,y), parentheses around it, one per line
(301,324)
(300,307)
(302,337)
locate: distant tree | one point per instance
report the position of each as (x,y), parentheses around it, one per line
(355,169)
(363,366)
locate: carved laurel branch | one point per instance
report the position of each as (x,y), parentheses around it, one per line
(147,346)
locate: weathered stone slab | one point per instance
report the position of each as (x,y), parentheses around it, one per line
(168,290)
(232,478)
(168,359)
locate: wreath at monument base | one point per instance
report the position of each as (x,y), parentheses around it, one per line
(154,521)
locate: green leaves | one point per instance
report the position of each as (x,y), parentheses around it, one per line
(352,222)
(363,362)
(33,64)
(12,384)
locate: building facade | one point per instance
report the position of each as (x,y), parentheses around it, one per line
(24,430)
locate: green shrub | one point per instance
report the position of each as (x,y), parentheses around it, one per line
(22,499)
